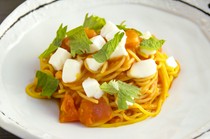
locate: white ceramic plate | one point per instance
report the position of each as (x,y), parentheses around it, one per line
(32,26)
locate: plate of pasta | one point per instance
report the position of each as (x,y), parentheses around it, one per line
(104,69)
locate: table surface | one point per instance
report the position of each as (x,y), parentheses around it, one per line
(6,7)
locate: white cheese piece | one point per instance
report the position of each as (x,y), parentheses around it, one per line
(120,49)
(146,35)
(97,43)
(143,69)
(109,30)
(71,69)
(148,52)
(93,64)
(58,58)
(98,94)
(171,62)
(92,88)
(111,34)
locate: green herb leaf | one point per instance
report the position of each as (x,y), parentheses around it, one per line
(122,26)
(110,87)
(94,22)
(47,83)
(105,52)
(125,92)
(151,44)
(79,42)
(61,33)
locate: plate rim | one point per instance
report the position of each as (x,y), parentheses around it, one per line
(4,119)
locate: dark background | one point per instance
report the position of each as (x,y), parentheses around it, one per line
(6,7)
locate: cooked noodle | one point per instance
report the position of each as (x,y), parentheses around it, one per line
(154,89)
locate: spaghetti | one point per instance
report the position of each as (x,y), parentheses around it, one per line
(154,88)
